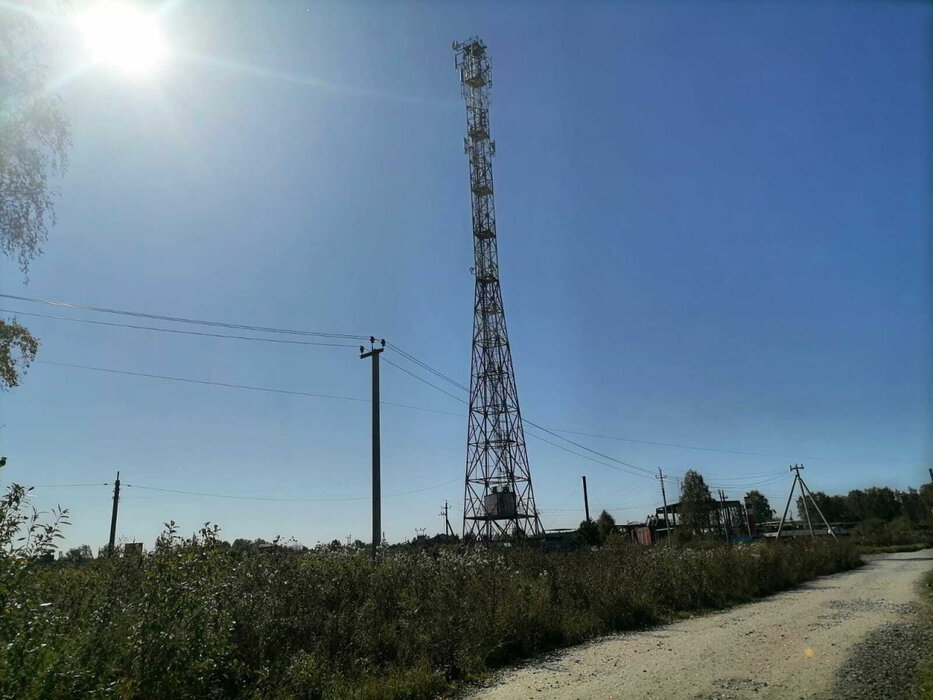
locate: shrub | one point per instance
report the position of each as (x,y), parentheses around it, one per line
(197,620)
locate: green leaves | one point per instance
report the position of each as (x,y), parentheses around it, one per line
(18,348)
(195,619)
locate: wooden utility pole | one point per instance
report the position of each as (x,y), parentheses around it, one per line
(113,517)
(374,353)
(586,501)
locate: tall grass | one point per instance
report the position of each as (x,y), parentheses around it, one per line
(195,620)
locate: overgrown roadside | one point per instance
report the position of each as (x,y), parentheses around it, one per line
(196,620)
(790,645)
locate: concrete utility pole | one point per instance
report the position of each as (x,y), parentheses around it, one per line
(586,501)
(804,492)
(374,353)
(806,509)
(667,515)
(113,517)
(806,489)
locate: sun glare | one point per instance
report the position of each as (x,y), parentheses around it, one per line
(121,36)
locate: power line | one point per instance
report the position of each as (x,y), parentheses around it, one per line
(283,499)
(584,456)
(401,351)
(180,332)
(427,367)
(663,444)
(227,385)
(524,420)
(584,447)
(179,319)
(423,380)
(443,376)
(203,381)
(252,498)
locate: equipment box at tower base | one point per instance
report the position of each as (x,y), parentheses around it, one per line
(499,503)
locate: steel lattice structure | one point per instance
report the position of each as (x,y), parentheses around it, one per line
(498,500)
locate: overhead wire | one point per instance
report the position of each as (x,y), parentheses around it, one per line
(180,319)
(643,471)
(554,432)
(250,498)
(661,444)
(443,376)
(423,380)
(179,331)
(438,373)
(426,366)
(585,456)
(229,385)
(286,499)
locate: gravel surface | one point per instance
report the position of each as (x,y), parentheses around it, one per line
(885,664)
(792,645)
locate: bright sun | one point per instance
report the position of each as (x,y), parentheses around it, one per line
(121,36)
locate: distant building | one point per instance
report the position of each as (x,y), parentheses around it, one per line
(722,517)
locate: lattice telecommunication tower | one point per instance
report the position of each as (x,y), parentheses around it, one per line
(498,500)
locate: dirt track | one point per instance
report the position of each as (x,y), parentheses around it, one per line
(788,646)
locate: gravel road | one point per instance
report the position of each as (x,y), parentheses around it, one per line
(813,642)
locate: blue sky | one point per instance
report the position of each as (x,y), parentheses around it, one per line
(714,226)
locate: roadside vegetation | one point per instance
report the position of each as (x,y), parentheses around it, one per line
(196,619)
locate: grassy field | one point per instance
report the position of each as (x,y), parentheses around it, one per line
(196,620)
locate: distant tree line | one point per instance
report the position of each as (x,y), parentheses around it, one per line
(873,509)
(878,504)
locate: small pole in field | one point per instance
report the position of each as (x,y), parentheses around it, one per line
(113,517)
(667,515)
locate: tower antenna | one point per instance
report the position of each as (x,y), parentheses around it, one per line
(498,501)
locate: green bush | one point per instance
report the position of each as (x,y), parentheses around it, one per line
(194,619)
(899,531)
